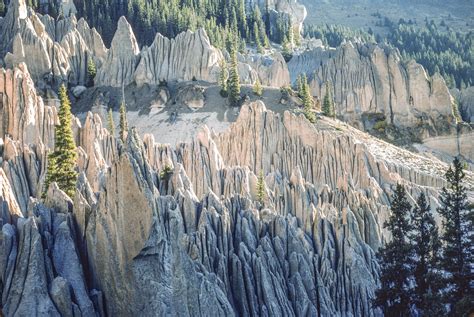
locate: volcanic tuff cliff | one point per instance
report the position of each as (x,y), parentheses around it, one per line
(369,79)
(197,242)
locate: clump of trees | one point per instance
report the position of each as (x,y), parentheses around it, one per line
(334,35)
(62,160)
(420,270)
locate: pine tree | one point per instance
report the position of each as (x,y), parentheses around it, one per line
(328,105)
(257,88)
(62,161)
(394,295)
(91,72)
(426,244)
(111,122)
(261,188)
(234,80)
(223,77)
(458,235)
(123,122)
(307,100)
(256,34)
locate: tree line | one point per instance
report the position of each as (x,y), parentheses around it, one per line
(423,272)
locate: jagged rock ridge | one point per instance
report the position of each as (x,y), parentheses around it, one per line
(197,242)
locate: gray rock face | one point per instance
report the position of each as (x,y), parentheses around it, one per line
(371,80)
(195,241)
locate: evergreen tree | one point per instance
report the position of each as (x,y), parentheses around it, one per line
(123,122)
(234,80)
(458,235)
(111,122)
(257,88)
(307,100)
(286,50)
(91,72)
(425,241)
(328,104)
(62,161)
(260,188)
(223,77)
(394,295)
(258,42)
(299,86)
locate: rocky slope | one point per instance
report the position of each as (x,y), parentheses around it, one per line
(196,242)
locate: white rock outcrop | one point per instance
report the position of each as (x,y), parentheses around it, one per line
(189,55)
(50,49)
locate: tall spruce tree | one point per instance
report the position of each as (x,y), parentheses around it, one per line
(62,161)
(395,293)
(328,104)
(234,79)
(458,236)
(223,78)
(123,122)
(111,123)
(426,245)
(91,72)
(307,100)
